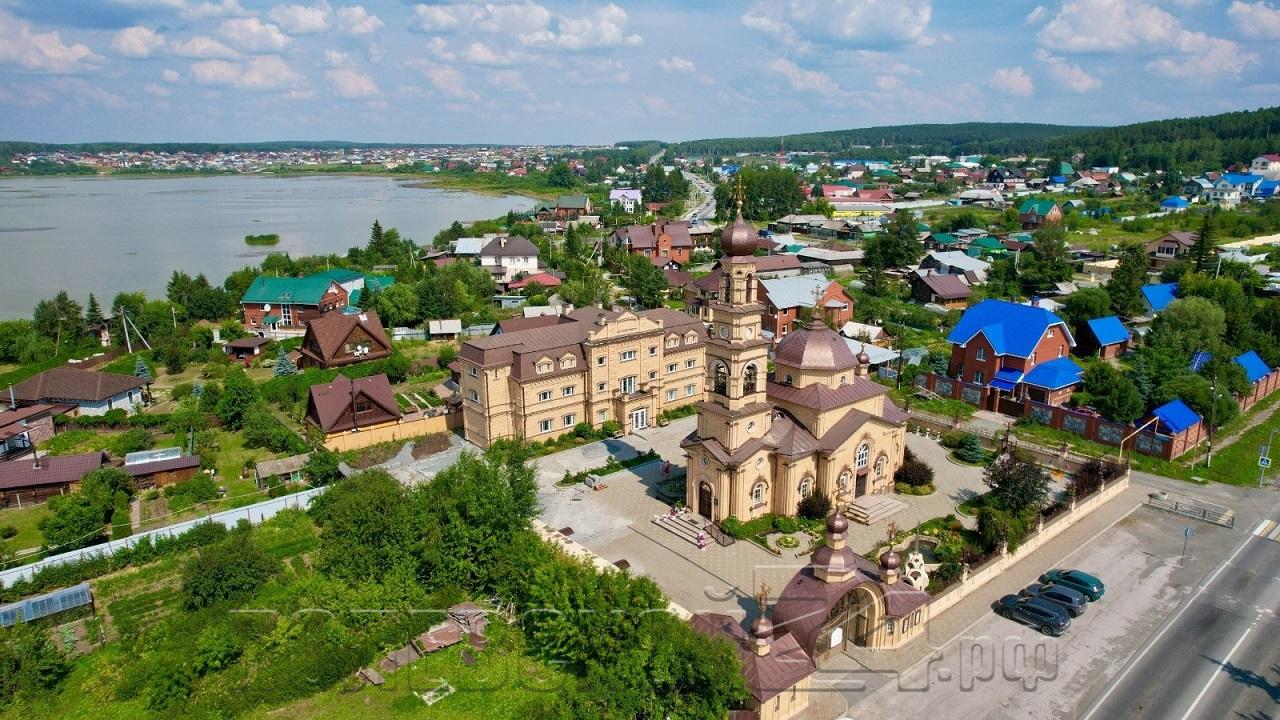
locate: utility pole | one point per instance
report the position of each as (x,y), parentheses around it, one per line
(1213,417)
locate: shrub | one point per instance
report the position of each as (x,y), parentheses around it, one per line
(8,532)
(785,524)
(229,570)
(217,648)
(732,527)
(133,440)
(611,428)
(954,438)
(814,507)
(995,524)
(915,473)
(170,686)
(181,390)
(1089,478)
(322,468)
(30,663)
(583,430)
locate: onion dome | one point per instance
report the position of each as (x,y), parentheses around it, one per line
(739,238)
(889,560)
(836,524)
(863,357)
(816,347)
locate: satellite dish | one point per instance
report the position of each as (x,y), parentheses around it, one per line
(266,307)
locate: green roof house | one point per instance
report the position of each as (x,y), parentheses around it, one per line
(1038,211)
(288,303)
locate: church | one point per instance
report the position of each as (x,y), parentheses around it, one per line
(764,441)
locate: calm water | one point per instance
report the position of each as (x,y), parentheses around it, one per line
(110,234)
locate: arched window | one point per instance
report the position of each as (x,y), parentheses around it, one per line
(806,487)
(787,379)
(749,379)
(881,462)
(721,379)
(864,455)
(842,484)
(757,495)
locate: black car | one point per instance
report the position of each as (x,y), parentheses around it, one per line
(1073,601)
(1041,614)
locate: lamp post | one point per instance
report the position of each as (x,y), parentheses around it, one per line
(1213,418)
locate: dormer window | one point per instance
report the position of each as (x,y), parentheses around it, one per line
(544,367)
(691,338)
(567,362)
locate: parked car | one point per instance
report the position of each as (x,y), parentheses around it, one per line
(1085,583)
(1073,601)
(1036,612)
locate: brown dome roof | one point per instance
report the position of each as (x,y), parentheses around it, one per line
(836,523)
(739,238)
(816,347)
(889,560)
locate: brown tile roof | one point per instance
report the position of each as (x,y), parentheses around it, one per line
(51,470)
(766,675)
(510,246)
(645,237)
(947,287)
(75,385)
(821,397)
(29,413)
(331,330)
(247,343)
(524,323)
(330,405)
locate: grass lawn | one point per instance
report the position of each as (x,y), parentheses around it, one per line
(971,506)
(503,683)
(26,519)
(1237,464)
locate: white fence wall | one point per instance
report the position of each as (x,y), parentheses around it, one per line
(255,514)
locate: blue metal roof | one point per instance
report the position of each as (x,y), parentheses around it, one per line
(1175,416)
(1255,368)
(1175,201)
(34,608)
(1010,328)
(1159,296)
(1109,330)
(1054,374)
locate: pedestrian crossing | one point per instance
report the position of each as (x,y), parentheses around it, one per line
(1269,529)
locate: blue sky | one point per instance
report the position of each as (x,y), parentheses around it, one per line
(589,72)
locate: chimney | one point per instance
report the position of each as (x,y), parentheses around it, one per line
(600,319)
(13,404)
(502,241)
(1035,301)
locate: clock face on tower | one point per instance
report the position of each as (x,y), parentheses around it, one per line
(749,333)
(724,331)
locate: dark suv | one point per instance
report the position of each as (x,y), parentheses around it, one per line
(1036,612)
(1088,585)
(1073,601)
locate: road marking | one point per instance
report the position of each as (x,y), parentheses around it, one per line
(1133,662)
(1219,669)
(1264,525)
(1274,534)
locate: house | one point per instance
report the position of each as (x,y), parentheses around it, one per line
(1107,336)
(160,468)
(285,470)
(593,366)
(1198,188)
(346,405)
(571,207)
(469,247)
(831,258)
(89,392)
(778,672)
(1245,183)
(949,291)
(33,480)
(508,256)
(1175,204)
(873,334)
(1268,166)
(944,242)
(274,303)
(447,329)
(784,298)
(1017,349)
(1158,296)
(545,279)
(338,339)
(665,240)
(245,348)
(1263,380)
(1171,247)
(23,428)
(953,262)
(1184,425)
(1223,193)
(625,199)
(986,246)
(1038,211)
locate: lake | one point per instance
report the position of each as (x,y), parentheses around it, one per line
(105,235)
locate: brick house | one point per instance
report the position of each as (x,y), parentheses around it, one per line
(1021,350)
(949,291)
(784,298)
(345,405)
(22,429)
(1036,212)
(273,303)
(668,240)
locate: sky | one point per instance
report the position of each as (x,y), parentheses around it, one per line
(580,72)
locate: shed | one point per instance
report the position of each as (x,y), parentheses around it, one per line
(288,469)
(1109,336)
(1175,417)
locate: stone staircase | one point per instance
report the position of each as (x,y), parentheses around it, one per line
(869,509)
(686,526)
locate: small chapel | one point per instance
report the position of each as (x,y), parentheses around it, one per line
(764,441)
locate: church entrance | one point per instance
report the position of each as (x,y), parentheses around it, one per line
(852,621)
(860,485)
(704,500)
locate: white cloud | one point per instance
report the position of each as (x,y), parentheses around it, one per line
(841,23)
(888,83)
(1108,26)
(439,48)
(805,80)
(83,93)
(171,76)
(1255,20)
(1036,15)
(200,11)
(477,53)
(203,47)
(1204,58)
(265,72)
(357,21)
(338,59)
(530,22)
(253,35)
(446,79)
(510,80)
(677,64)
(26,96)
(1072,77)
(41,52)
(158,90)
(1014,81)
(137,42)
(605,27)
(349,83)
(657,105)
(300,95)
(301,19)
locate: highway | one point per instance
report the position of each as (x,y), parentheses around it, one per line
(705,210)
(1216,656)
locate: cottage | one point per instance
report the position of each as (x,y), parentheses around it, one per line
(29,481)
(784,298)
(1017,349)
(974,270)
(1038,211)
(22,429)
(1107,336)
(160,468)
(1263,380)
(346,405)
(89,392)
(285,470)
(507,257)
(625,199)
(874,334)
(338,339)
(666,240)
(1158,296)
(949,291)
(245,348)
(1170,247)
(275,303)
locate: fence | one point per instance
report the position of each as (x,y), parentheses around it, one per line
(1059,457)
(254,514)
(1089,426)
(412,425)
(1215,514)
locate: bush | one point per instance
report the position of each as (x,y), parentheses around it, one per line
(181,390)
(30,664)
(785,524)
(170,686)
(8,532)
(230,570)
(995,525)
(970,449)
(133,440)
(611,428)
(732,527)
(914,473)
(814,507)
(217,648)
(954,438)
(905,489)
(322,468)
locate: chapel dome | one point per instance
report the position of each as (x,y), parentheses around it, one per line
(738,238)
(815,347)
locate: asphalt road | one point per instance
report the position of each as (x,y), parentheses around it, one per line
(1216,656)
(705,210)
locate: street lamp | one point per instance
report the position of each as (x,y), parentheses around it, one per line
(1213,418)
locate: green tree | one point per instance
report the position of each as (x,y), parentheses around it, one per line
(30,663)
(1050,260)
(365,527)
(231,569)
(1084,305)
(1113,394)
(1198,392)
(559,176)
(898,246)
(75,522)
(645,281)
(970,449)
(1189,325)
(61,320)
(238,395)
(140,369)
(1125,286)
(1017,483)
(93,312)
(398,306)
(814,506)
(284,366)
(1202,250)
(322,468)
